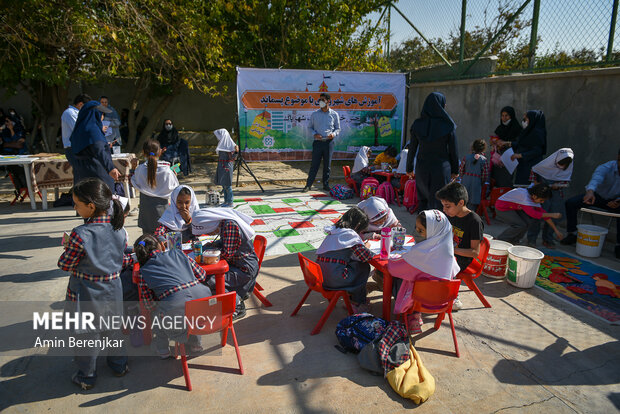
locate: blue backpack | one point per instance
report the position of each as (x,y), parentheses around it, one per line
(355,331)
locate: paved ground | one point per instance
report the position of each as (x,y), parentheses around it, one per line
(529,353)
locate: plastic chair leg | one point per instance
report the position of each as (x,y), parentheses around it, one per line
(260,297)
(301,303)
(347,303)
(257,286)
(482,211)
(456,344)
(439,319)
(234,336)
(472,285)
(188,382)
(224,336)
(328,311)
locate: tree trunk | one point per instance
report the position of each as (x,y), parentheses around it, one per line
(49,101)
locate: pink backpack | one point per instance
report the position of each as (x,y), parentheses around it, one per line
(386,192)
(410,199)
(368,187)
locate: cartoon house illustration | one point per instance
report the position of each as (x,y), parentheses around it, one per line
(323,87)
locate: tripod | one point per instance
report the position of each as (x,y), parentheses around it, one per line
(240,162)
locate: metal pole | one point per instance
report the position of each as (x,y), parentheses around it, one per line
(499,32)
(422,36)
(534,34)
(463,18)
(389,33)
(612,31)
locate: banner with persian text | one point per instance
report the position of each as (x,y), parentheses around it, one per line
(275,106)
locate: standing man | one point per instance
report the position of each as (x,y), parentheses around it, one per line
(67,123)
(112,135)
(325,126)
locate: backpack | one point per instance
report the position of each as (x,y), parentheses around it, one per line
(386,192)
(341,192)
(410,198)
(368,188)
(355,331)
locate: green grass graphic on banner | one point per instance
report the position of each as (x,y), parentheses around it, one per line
(328,202)
(299,247)
(291,200)
(286,233)
(307,212)
(262,209)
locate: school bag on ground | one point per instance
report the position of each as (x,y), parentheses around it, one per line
(355,331)
(341,192)
(368,188)
(410,198)
(386,192)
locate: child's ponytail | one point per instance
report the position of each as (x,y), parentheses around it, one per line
(354,219)
(94,190)
(151,151)
(143,247)
(118,215)
(478,146)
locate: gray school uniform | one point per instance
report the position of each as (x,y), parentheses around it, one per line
(169,275)
(151,210)
(225,164)
(342,272)
(472,178)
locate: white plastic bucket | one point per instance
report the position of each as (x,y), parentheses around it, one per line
(523,264)
(495,265)
(590,240)
(488,237)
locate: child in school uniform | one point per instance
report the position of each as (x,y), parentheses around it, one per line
(343,257)
(520,207)
(555,171)
(167,280)
(379,214)
(155,181)
(474,172)
(401,170)
(94,258)
(388,155)
(430,259)
(361,169)
(226,152)
(236,246)
(178,215)
(467,226)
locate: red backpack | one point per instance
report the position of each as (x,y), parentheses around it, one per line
(410,199)
(368,187)
(386,192)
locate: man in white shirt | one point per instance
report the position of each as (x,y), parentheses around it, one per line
(113,134)
(67,123)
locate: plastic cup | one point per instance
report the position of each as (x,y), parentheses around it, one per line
(210,256)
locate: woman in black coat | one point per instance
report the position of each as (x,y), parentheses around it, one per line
(508,130)
(530,146)
(175,149)
(434,141)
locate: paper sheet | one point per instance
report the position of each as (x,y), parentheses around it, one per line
(508,163)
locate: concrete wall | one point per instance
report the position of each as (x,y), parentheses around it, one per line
(581,109)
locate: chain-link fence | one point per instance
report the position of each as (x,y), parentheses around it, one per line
(483,37)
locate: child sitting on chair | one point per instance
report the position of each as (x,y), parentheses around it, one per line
(156,181)
(361,168)
(379,214)
(388,155)
(431,259)
(520,207)
(178,215)
(343,257)
(167,280)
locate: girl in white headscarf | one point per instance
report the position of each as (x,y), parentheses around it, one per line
(226,152)
(555,171)
(379,214)
(178,215)
(431,259)
(361,167)
(235,243)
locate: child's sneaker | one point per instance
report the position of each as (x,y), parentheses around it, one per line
(85,383)
(457,305)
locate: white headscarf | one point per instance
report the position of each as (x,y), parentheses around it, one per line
(376,208)
(549,169)
(207,220)
(171,217)
(361,160)
(225,142)
(338,239)
(166,180)
(402,164)
(435,255)
(519,196)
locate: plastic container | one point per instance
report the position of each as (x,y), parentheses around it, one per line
(210,256)
(488,237)
(495,265)
(398,237)
(386,243)
(590,240)
(385,166)
(523,264)
(175,240)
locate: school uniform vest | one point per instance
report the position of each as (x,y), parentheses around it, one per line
(471,179)
(340,272)
(104,248)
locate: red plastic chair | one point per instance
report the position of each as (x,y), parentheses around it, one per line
(350,181)
(485,203)
(314,279)
(196,310)
(21,193)
(475,269)
(429,296)
(260,243)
